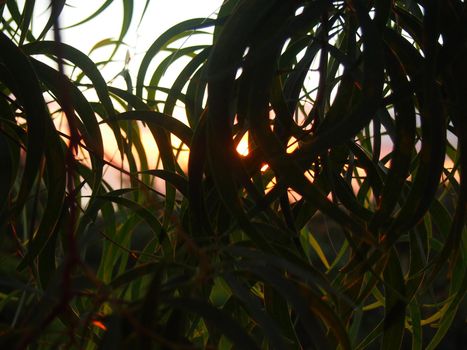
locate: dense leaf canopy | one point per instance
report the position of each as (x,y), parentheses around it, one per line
(322,205)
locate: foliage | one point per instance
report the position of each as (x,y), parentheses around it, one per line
(343,227)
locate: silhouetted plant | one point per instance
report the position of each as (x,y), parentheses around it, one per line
(342,226)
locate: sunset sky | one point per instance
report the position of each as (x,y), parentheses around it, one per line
(160,16)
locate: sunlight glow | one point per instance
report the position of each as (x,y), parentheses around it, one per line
(242,147)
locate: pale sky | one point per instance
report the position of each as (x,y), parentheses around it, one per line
(160,16)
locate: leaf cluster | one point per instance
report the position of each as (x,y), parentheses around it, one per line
(322,206)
